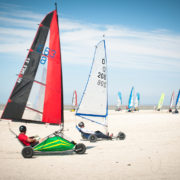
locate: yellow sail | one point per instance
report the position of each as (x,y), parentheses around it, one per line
(161,101)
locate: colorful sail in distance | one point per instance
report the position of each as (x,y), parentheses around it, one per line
(74,100)
(119,102)
(160,104)
(177,101)
(94,102)
(171,102)
(44,53)
(131,100)
(137,101)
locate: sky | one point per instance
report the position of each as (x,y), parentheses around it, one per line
(142,44)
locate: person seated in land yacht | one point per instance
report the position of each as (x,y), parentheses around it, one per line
(99,134)
(27,141)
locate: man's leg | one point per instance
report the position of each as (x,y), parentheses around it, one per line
(99,134)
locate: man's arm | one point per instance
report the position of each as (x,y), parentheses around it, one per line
(87,131)
(30,140)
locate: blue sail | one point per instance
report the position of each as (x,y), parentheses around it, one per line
(131,99)
(120,97)
(138,97)
(177,100)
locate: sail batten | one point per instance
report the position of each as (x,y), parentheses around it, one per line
(93,115)
(34,110)
(40,83)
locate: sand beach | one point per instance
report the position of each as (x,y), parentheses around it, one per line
(151,150)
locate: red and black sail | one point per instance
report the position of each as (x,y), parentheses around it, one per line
(38,54)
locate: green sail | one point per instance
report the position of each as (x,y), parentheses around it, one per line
(161,101)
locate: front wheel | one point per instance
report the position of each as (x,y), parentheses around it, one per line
(121,136)
(80,148)
(27,152)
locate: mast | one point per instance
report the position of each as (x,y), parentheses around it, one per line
(62,92)
(55,6)
(106,118)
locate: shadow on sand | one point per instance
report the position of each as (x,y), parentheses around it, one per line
(61,153)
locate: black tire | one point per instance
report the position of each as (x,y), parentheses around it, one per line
(80,148)
(176,111)
(27,152)
(121,136)
(92,138)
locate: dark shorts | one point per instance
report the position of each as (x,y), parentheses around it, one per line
(34,143)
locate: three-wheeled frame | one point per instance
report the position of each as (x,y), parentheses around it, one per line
(54,143)
(95,137)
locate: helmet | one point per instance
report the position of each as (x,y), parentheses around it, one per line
(22,128)
(81,124)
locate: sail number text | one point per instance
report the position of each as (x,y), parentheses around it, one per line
(47,53)
(102,76)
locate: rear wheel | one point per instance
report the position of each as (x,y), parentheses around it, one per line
(80,148)
(121,136)
(176,111)
(27,152)
(92,138)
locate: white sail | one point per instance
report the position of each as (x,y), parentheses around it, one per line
(94,104)
(119,101)
(171,101)
(136,104)
(74,99)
